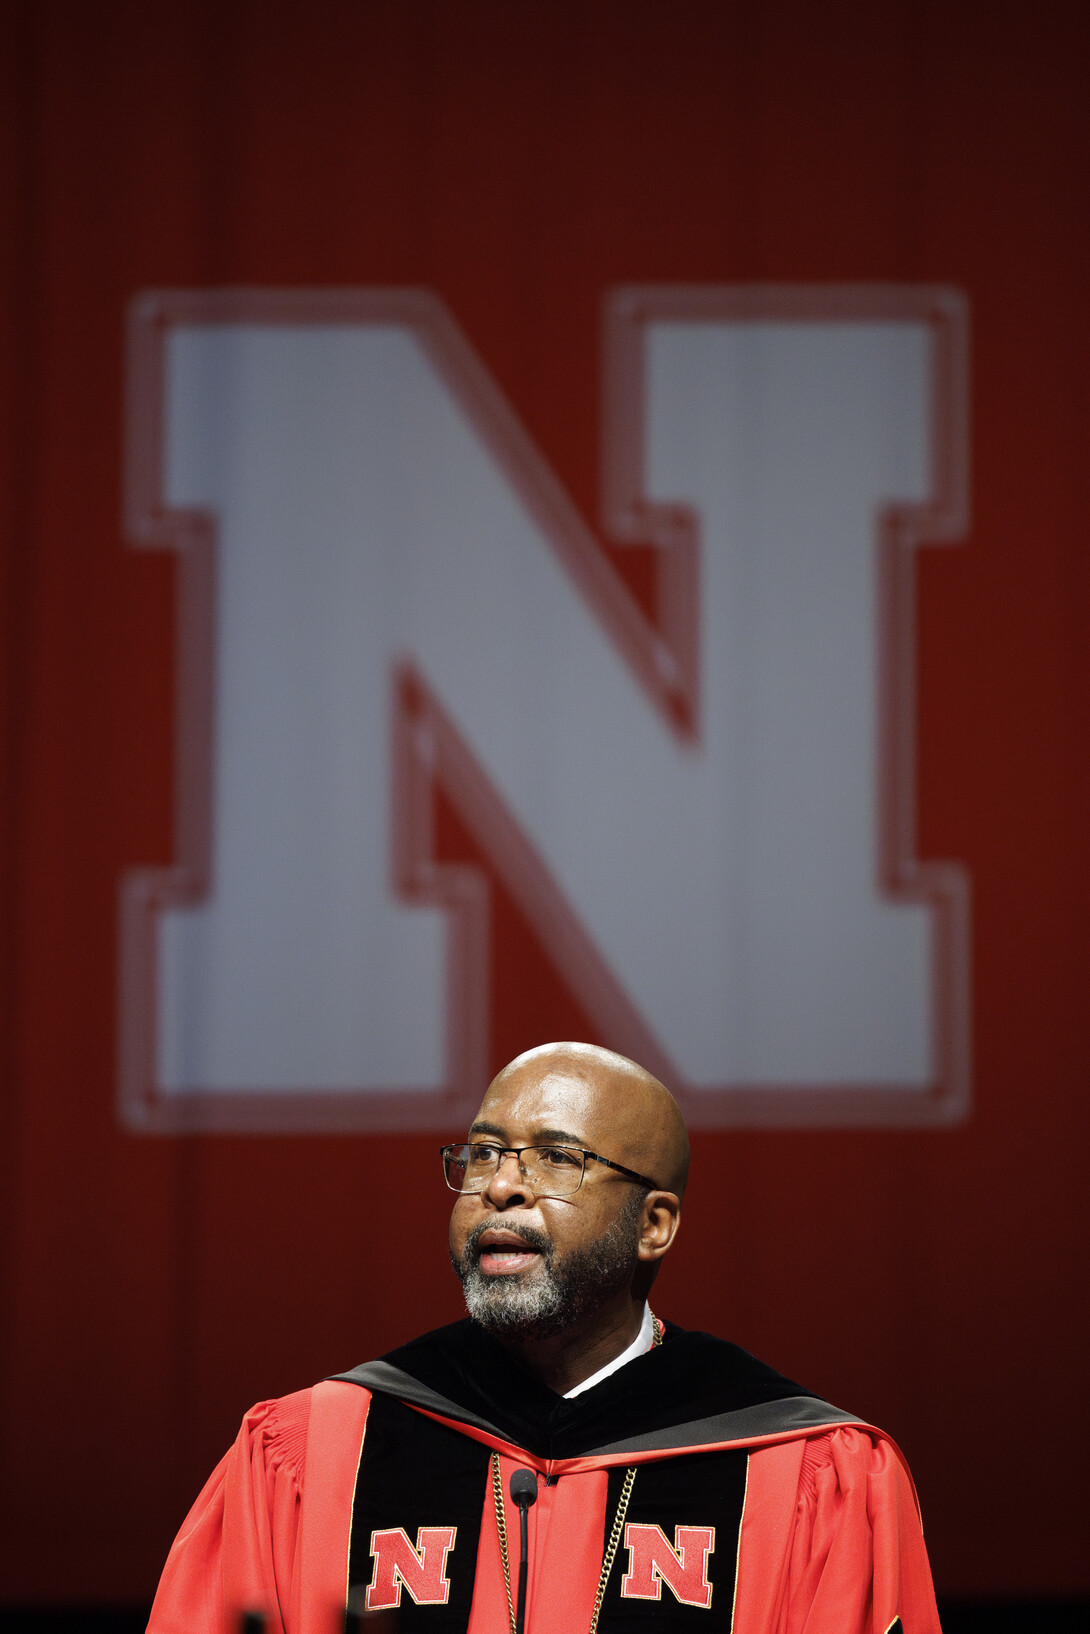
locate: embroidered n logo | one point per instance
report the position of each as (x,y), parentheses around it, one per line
(421,1567)
(682,1565)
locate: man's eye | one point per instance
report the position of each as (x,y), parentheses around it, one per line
(483,1154)
(558,1157)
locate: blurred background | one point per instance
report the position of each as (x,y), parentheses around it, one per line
(468,470)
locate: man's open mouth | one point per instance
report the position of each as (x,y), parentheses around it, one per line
(504,1253)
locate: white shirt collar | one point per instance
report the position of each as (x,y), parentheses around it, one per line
(643,1341)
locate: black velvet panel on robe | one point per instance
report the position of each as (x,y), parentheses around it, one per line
(705,1490)
(416,1473)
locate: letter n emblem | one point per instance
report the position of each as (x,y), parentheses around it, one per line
(682,1565)
(419,1567)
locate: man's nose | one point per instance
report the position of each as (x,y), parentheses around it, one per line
(508,1185)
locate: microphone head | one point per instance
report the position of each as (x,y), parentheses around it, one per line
(524,1488)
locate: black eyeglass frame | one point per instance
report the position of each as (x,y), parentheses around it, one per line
(551,1145)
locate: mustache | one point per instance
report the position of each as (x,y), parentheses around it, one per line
(530,1235)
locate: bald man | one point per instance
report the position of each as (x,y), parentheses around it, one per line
(663,1480)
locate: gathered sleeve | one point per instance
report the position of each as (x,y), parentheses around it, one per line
(238,1549)
(856,1562)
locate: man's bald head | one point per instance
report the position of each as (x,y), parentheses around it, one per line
(625,1113)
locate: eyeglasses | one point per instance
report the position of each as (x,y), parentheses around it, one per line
(549,1171)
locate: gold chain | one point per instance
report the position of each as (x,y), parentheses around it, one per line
(501,1528)
(614,1536)
(614,1540)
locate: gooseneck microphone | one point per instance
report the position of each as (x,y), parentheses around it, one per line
(524,1493)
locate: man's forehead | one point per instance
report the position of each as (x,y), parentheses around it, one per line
(550,1102)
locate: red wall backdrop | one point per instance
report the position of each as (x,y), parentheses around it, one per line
(522,158)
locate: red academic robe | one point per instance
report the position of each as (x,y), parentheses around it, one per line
(829,1541)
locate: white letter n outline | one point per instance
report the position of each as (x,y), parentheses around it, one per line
(655,341)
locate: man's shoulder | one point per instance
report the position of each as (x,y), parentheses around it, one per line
(440,1370)
(273,1433)
(279,1416)
(733,1369)
(283,1424)
(698,1390)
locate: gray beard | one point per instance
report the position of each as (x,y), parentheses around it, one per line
(557,1293)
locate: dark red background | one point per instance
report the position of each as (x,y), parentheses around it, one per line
(523,157)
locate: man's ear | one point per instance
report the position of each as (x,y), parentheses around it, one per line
(661,1218)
